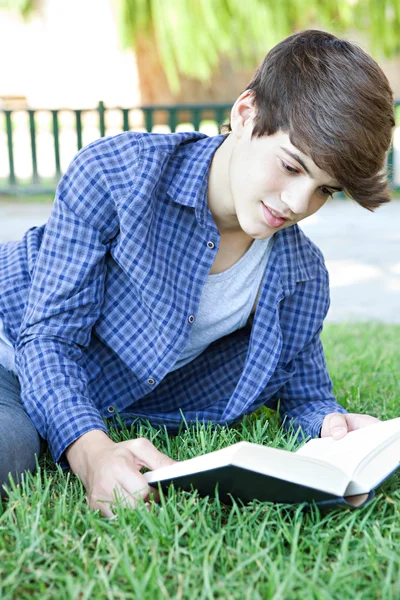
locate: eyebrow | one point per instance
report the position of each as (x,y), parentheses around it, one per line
(302,163)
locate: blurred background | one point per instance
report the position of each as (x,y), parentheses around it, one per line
(76,70)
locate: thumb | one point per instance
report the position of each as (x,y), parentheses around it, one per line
(336,426)
(147,455)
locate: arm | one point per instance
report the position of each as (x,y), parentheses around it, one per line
(64,302)
(308,401)
(308,398)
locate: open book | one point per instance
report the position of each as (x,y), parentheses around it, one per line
(326,471)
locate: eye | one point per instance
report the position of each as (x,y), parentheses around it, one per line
(290,169)
(326,192)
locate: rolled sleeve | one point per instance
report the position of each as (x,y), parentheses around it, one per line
(64,302)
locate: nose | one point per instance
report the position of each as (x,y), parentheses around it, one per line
(297,199)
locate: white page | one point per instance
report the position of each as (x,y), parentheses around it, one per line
(261,459)
(348,452)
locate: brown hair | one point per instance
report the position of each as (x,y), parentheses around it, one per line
(337,106)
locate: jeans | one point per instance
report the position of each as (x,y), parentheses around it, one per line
(19,439)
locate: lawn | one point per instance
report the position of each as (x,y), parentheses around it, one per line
(53,546)
(48,198)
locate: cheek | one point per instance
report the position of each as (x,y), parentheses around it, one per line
(246,183)
(316,203)
(264,181)
(239,173)
(279,182)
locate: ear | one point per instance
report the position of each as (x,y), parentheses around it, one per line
(243,113)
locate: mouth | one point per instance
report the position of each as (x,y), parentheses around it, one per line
(272,217)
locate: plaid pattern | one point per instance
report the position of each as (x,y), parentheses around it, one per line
(97,301)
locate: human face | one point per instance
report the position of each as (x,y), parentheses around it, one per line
(273,185)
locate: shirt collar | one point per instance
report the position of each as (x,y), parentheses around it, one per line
(299,259)
(190,183)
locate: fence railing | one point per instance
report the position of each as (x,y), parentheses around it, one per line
(36,146)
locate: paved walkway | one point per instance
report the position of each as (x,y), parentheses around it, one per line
(362,253)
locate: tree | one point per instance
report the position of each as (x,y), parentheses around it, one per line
(187,39)
(206,50)
(23,7)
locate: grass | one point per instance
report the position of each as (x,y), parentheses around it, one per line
(27,199)
(53,546)
(48,198)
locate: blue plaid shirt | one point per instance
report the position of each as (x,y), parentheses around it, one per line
(99,302)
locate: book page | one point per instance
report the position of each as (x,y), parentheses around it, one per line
(371,473)
(282,464)
(348,452)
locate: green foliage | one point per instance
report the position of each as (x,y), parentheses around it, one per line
(191,35)
(23,7)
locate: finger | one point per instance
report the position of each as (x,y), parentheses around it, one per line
(104,506)
(147,455)
(154,493)
(338,426)
(136,486)
(128,500)
(125,498)
(358,420)
(119,495)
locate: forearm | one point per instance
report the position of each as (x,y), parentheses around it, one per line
(64,302)
(308,395)
(55,394)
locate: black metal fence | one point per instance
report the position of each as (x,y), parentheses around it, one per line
(37,145)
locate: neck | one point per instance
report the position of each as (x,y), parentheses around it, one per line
(219,194)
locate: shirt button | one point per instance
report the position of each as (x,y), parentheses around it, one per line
(151,381)
(191,319)
(110,409)
(211,244)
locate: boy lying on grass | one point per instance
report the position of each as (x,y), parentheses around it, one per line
(172,277)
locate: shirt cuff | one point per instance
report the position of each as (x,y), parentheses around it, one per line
(67,428)
(311,424)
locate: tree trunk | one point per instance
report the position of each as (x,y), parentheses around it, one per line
(225,85)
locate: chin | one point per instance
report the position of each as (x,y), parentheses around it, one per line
(258,233)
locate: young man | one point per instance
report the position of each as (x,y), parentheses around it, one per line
(172,278)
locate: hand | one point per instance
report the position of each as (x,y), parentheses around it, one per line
(338,425)
(108,469)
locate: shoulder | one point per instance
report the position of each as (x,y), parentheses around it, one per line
(115,159)
(130,143)
(304,277)
(110,168)
(310,252)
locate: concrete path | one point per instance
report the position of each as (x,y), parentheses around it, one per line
(362,253)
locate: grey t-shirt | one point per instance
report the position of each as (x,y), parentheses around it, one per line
(226,300)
